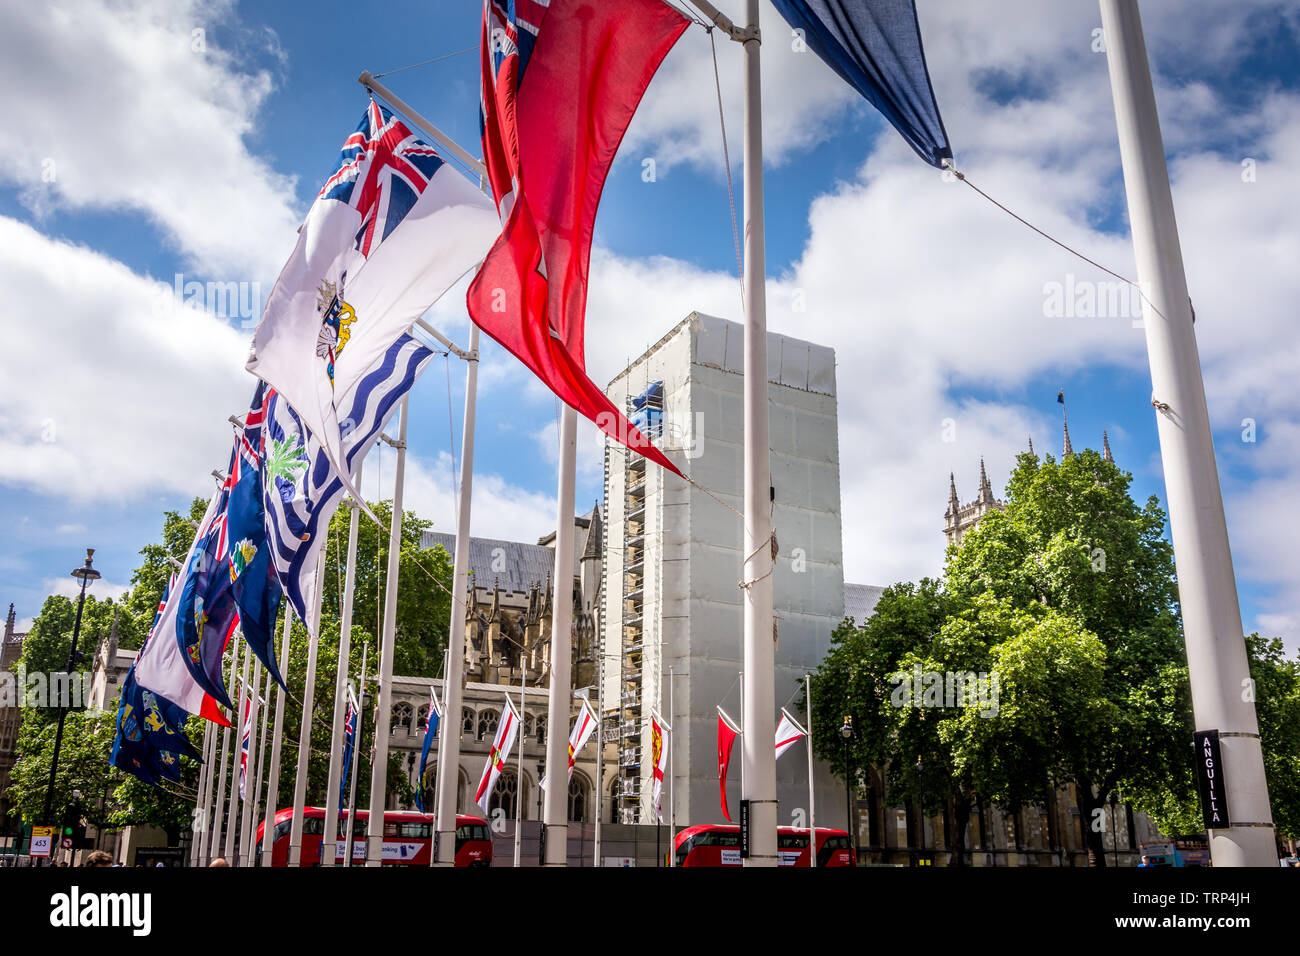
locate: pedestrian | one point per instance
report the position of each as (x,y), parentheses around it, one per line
(219,861)
(98,858)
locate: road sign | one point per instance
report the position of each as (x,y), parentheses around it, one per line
(67,843)
(42,841)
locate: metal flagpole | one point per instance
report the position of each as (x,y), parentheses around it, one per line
(304,726)
(249,798)
(555,814)
(758,766)
(341,687)
(215,846)
(199,823)
(453,690)
(519,780)
(379,770)
(356,758)
(370,83)
(277,741)
(672,764)
(1207,590)
(250,853)
(812,803)
(600,746)
(232,820)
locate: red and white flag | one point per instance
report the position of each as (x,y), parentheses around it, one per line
(788,733)
(583,728)
(727,734)
(561,80)
(659,732)
(507,731)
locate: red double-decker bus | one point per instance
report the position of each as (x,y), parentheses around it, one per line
(719,845)
(408,838)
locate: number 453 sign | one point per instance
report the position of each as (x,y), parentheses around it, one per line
(42,841)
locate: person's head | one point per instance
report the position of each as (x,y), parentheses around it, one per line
(98,858)
(219,861)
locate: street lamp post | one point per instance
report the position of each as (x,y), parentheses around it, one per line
(846,732)
(85,574)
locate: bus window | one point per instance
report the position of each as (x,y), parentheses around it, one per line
(833,845)
(313,826)
(792,841)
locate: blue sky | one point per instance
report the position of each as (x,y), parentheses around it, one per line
(142,149)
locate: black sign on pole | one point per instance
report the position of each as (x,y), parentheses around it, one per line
(744,829)
(1210,782)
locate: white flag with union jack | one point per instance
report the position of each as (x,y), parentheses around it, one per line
(392,229)
(507,731)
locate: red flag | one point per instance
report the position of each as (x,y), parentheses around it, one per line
(727,734)
(561,82)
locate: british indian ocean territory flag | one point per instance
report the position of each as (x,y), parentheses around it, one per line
(392,229)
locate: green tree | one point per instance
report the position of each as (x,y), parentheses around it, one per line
(856,680)
(1072,541)
(83,766)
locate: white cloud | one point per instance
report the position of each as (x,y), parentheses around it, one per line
(116,108)
(70,529)
(111,389)
(500,508)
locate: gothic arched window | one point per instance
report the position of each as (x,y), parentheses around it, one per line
(541,728)
(487,724)
(422,719)
(466,720)
(505,796)
(529,724)
(578,791)
(402,716)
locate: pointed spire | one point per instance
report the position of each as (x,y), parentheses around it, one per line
(953,504)
(986,489)
(9,623)
(495,613)
(1031,444)
(595,534)
(1069,449)
(1105,448)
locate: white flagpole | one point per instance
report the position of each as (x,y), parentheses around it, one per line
(672,773)
(453,691)
(232,820)
(519,780)
(555,825)
(304,726)
(379,770)
(812,801)
(340,689)
(277,740)
(600,748)
(758,766)
(356,758)
(251,852)
(215,845)
(199,823)
(1207,589)
(249,799)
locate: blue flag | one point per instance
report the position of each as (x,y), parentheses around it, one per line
(875,47)
(150,734)
(349,737)
(301,489)
(430,731)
